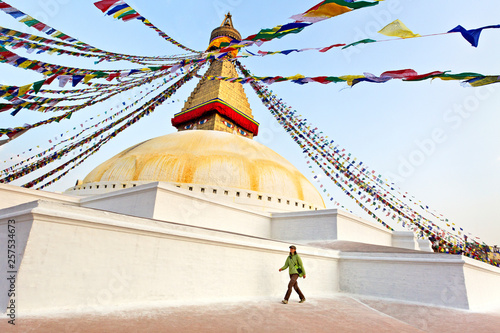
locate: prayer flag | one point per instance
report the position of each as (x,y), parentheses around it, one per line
(24,89)
(472,36)
(397,29)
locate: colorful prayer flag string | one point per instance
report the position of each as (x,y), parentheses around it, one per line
(472,79)
(329,159)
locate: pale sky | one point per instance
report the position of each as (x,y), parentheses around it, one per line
(437,139)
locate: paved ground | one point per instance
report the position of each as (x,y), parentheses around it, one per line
(340,314)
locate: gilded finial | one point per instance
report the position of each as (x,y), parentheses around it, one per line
(228,21)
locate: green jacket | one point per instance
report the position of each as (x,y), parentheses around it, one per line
(291,261)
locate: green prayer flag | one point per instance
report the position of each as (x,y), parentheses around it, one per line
(460,76)
(37,85)
(363,41)
(353,5)
(130,12)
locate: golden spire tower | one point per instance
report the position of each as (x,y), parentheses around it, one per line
(219,105)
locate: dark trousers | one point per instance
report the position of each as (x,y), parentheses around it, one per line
(293,284)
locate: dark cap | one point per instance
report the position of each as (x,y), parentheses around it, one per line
(293,247)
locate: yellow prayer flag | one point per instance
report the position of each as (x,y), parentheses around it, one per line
(397,29)
(122,11)
(88,77)
(26,19)
(296,77)
(484,81)
(449,78)
(350,78)
(217,41)
(24,89)
(25,64)
(328,10)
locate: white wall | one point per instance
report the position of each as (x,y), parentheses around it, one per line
(167,203)
(135,201)
(304,226)
(80,259)
(176,205)
(353,228)
(482,281)
(22,229)
(406,240)
(429,278)
(11,195)
(257,201)
(328,224)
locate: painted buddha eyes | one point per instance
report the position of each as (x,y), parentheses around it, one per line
(228,124)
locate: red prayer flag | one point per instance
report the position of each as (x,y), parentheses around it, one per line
(321,79)
(39,26)
(130,17)
(423,76)
(104,5)
(5,107)
(330,47)
(400,74)
(51,79)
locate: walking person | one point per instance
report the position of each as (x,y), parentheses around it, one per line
(296,270)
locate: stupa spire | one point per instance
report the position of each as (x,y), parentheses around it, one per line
(228,21)
(219,105)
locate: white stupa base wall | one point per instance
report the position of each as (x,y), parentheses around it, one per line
(11,195)
(482,281)
(80,259)
(256,201)
(435,279)
(332,224)
(162,201)
(200,209)
(424,245)
(159,244)
(431,279)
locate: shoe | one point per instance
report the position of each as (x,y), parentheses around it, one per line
(302,300)
(284,301)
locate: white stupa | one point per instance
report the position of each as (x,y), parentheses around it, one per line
(208,214)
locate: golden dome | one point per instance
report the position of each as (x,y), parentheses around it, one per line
(211,158)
